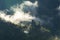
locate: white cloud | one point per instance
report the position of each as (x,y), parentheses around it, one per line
(19,15)
(59,8)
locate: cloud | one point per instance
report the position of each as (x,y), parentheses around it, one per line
(59,11)
(19,14)
(59,8)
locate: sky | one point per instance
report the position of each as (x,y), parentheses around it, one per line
(47,12)
(14,11)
